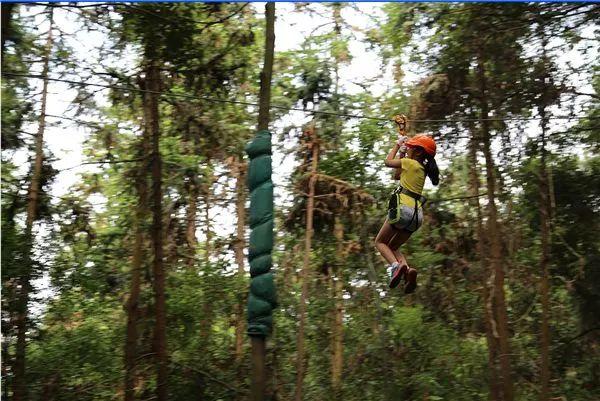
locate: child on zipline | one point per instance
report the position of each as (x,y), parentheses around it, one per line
(405,214)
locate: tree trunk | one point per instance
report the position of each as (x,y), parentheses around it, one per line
(493,236)
(310,205)
(546,207)
(134,294)
(205,327)
(22,303)
(190,217)
(337,357)
(4,367)
(160,341)
(257,390)
(265,75)
(490,323)
(337,30)
(50,387)
(545,256)
(240,244)
(207,192)
(138,256)
(7,10)
(379,323)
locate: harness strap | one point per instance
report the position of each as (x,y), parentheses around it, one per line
(414,195)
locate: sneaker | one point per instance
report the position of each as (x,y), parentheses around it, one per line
(396,274)
(411,281)
(390,269)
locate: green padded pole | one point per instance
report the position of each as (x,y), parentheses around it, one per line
(262,298)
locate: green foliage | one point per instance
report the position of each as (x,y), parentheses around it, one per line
(427,346)
(15,109)
(82,335)
(441,364)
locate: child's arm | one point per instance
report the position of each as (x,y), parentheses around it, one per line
(391,161)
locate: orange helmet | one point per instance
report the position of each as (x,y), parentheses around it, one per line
(423,141)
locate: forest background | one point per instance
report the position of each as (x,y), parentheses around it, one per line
(509,255)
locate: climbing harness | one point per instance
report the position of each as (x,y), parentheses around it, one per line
(395,205)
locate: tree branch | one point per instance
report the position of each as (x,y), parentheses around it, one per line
(214,379)
(575,92)
(583,333)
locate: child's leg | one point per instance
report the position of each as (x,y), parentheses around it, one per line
(400,238)
(411,274)
(381,242)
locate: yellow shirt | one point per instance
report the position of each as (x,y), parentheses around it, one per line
(413,179)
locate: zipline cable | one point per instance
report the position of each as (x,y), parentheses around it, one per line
(182,95)
(287,108)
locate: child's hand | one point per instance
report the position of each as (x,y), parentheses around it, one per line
(400,119)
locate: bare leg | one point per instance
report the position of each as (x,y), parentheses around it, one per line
(381,242)
(389,244)
(411,274)
(400,238)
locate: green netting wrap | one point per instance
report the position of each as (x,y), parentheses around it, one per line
(263,297)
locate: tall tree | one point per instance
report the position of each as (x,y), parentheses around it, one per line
(33,199)
(138,253)
(193,189)
(487,303)
(313,143)
(544,260)
(545,92)
(337,335)
(340,55)
(258,340)
(496,255)
(160,329)
(239,167)
(7,10)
